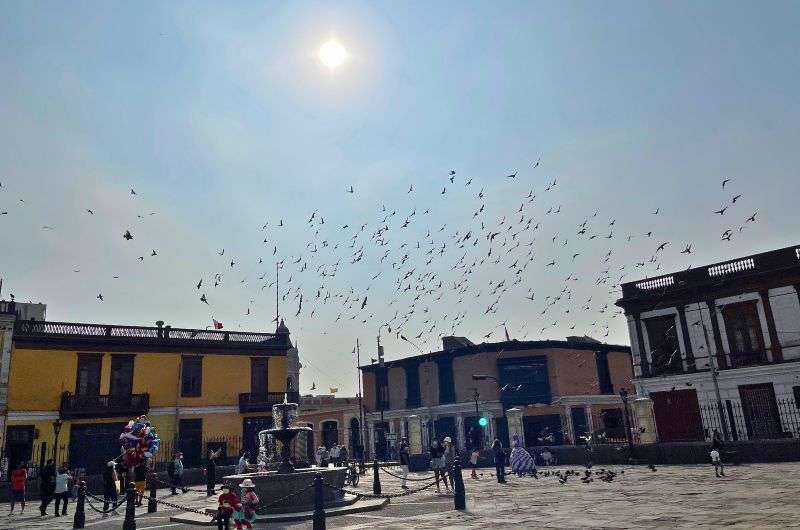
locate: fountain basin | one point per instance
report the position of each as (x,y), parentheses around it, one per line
(271,486)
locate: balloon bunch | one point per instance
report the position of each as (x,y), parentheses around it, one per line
(138,442)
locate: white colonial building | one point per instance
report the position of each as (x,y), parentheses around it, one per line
(718,347)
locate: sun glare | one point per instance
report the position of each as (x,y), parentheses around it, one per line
(332,54)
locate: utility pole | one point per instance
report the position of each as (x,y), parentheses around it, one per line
(360,409)
(720,408)
(383,394)
(277,294)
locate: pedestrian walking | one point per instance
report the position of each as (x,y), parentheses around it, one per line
(437,466)
(405,460)
(334,454)
(175,471)
(62,491)
(521,460)
(47,485)
(449,454)
(110,488)
(211,471)
(241,466)
(246,515)
(499,461)
(473,461)
(716,454)
(18,481)
(320,456)
(140,481)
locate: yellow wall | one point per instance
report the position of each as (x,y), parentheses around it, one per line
(39,377)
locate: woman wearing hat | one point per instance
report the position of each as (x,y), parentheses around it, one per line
(246,514)
(449,455)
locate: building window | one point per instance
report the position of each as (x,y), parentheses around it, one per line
(745,338)
(87,382)
(447,387)
(603,372)
(121,375)
(258,376)
(613,424)
(192,376)
(524,381)
(665,352)
(382,388)
(412,386)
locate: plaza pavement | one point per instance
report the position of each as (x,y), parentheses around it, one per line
(751,496)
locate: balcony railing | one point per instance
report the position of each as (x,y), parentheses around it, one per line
(103,406)
(262,402)
(711,275)
(45,330)
(739,360)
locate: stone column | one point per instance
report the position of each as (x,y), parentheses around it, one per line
(459,441)
(414,435)
(644,417)
(515,424)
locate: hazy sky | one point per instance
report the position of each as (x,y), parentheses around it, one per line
(222,119)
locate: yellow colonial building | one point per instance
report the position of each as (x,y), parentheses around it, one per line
(72,386)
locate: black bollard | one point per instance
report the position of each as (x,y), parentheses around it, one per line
(319,504)
(130,508)
(152,507)
(459,495)
(79,521)
(376,479)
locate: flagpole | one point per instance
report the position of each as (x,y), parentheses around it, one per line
(360,405)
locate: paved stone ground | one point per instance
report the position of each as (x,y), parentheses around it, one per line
(751,496)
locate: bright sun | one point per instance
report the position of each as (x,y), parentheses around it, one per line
(332,54)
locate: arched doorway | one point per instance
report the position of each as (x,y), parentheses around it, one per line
(330,433)
(355,436)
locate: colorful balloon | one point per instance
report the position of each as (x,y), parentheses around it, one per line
(138,442)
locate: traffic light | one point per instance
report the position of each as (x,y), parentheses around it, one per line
(483,422)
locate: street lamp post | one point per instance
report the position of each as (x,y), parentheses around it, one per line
(485,377)
(56,430)
(477,434)
(624,395)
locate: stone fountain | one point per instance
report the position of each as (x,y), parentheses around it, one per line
(274,485)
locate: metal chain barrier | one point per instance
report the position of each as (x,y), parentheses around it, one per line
(408,479)
(373,496)
(184,508)
(89,498)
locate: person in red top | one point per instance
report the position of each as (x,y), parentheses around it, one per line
(228,503)
(18,479)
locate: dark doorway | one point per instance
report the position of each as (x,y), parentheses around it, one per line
(258,376)
(92,445)
(121,375)
(190,441)
(501,430)
(473,433)
(677,415)
(19,445)
(445,426)
(381,447)
(250,428)
(355,437)
(330,433)
(580,425)
(543,430)
(760,410)
(87,382)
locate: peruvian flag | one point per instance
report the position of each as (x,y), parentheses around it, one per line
(217,323)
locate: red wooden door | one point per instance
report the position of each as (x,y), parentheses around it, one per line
(677,416)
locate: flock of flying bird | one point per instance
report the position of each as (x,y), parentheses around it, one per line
(419,277)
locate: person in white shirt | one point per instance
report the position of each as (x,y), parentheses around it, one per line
(63,479)
(319,455)
(334,454)
(241,467)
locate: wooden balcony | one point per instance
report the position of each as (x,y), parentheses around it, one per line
(262,402)
(103,406)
